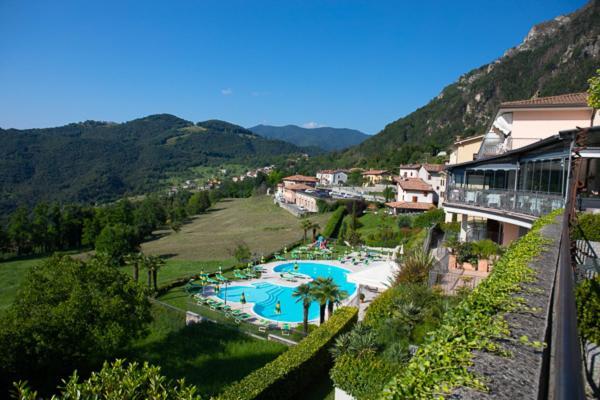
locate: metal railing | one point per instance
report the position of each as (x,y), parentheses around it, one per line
(535,204)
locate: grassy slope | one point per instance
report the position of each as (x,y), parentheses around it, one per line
(259,223)
(11,275)
(206,355)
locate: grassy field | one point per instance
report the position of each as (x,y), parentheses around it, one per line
(256,221)
(207,355)
(11,275)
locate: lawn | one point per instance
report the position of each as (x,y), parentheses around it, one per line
(256,221)
(11,275)
(207,355)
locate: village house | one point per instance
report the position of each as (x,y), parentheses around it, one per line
(376,176)
(434,175)
(414,195)
(287,190)
(409,170)
(329,177)
(309,199)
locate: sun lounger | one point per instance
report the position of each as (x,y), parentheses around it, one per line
(263,325)
(285,330)
(237,274)
(280,258)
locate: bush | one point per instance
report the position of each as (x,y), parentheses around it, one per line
(117,380)
(429,218)
(587,227)
(404,221)
(291,372)
(475,324)
(588,309)
(334,223)
(486,248)
(362,377)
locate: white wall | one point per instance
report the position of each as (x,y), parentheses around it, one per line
(407,195)
(409,173)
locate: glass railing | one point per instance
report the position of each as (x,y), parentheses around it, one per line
(530,203)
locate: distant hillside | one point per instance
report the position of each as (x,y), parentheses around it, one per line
(99,161)
(556,57)
(329,139)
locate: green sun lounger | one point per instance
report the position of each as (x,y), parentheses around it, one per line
(237,274)
(285,330)
(263,325)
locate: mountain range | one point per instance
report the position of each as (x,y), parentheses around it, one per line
(99,161)
(325,138)
(556,57)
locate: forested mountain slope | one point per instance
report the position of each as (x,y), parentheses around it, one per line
(99,161)
(325,138)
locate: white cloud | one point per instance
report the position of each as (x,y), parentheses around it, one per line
(226,91)
(311,125)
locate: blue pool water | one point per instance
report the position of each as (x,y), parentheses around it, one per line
(263,296)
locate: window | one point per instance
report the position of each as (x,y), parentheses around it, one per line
(414,199)
(428,177)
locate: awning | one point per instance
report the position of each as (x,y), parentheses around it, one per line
(493,167)
(378,275)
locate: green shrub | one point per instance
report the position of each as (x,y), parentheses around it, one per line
(288,374)
(588,309)
(588,227)
(429,218)
(118,381)
(362,377)
(405,221)
(333,225)
(475,324)
(486,248)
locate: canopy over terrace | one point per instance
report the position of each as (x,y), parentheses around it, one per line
(378,276)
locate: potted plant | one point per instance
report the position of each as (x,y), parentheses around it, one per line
(361,297)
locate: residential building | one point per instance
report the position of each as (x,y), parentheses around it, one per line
(287,190)
(330,177)
(509,191)
(376,176)
(465,150)
(409,170)
(433,174)
(413,195)
(523,122)
(309,199)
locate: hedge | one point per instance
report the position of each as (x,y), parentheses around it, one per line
(587,227)
(333,225)
(476,324)
(291,372)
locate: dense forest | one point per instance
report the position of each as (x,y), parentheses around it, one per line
(95,162)
(325,138)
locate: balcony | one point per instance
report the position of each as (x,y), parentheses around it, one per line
(534,204)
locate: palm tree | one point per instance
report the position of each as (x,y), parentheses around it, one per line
(320,294)
(155,263)
(304,293)
(134,260)
(315,227)
(305,224)
(332,293)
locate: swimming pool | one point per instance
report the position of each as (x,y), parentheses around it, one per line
(264,295)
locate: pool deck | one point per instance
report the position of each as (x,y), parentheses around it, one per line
(274,277)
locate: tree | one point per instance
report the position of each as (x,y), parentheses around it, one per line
(115,241)
(388,194)
(154,264)
(587,297)
(355,178)
(198,203)
(134,260)
(242,253)
(320,294)
(304,293)
(594,95)
(305,224)
(415,268)
(315,227)
(118,380)
(69,314)
(332,293)
(19,230)
(40,227)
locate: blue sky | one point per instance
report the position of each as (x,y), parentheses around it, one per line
(354,64)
